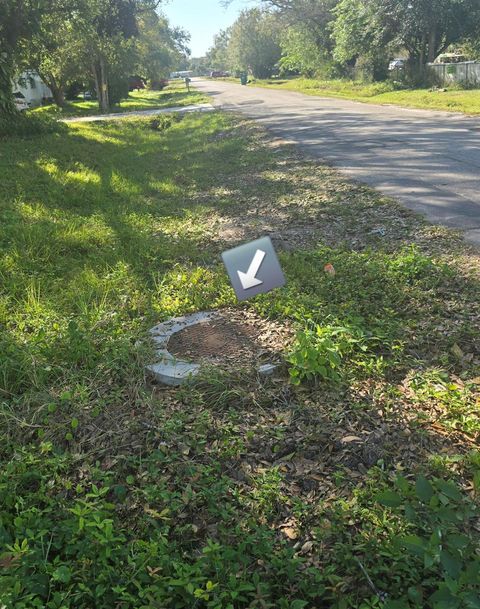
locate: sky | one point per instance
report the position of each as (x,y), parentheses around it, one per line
(202,19)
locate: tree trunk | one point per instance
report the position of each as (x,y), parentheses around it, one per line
(59,96)
(57,90)
(99,73)
(97,84)
(102,90)
(103,72)
(432,44)
(422,50)
(7,104)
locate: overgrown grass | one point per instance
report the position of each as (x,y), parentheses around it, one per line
(27,125)
(451,100)
(175,94)
(235,492)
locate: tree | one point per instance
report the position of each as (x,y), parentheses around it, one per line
(159,47)
(424,28)
(306,41)
(110,26)
(93,38)
(471,47)
(217,55)
(358,31)
(301,51)
(199,65)
(54,50)
(18,20)
(110,30)
(255,42)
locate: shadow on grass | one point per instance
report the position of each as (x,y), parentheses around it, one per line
(95,222)
(119,196)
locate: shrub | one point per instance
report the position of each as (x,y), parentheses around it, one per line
(443,552)
(73,90)
(117,88)
(319,351)
(162,122)
(417,77)
(371,67)
(26,125)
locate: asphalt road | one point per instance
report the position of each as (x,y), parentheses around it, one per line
(429,161)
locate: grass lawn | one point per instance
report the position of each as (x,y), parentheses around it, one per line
(452,100)
(349,481)
(175,94)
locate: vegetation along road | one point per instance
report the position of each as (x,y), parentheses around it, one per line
(235,490)
(428,160)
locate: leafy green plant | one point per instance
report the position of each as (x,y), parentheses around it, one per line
(411,265)
(67,546)
(442,544)
(319,351)
(455,399)
(162,122)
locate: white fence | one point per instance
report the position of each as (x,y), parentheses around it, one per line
(465,71)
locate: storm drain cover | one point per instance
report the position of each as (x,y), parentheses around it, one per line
(225,340)
(229,339)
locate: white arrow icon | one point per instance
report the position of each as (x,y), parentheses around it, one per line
(248,279)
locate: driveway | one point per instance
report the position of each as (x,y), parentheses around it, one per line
(430,161)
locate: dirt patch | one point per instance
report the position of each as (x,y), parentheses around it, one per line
(239,338)
(303,203)
(313,207)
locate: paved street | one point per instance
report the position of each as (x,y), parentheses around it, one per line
(430,161)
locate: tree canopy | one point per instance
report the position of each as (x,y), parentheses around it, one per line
(95,42)
(319,34)
(254,43)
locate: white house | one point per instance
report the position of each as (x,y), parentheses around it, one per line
(32,87)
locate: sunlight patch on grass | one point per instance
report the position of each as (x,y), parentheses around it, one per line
(166,186)
(121,184)
(85,175)
(175,494)
(49,166)
(175,94)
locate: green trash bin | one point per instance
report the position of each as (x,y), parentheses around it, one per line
(243,78)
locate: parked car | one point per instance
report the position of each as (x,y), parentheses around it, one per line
(20,101)
(87,95)
(136,83)
(181,74)
(397,64)
(450,58)
(218,74)
(158,85)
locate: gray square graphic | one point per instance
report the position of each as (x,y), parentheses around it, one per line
(253,268)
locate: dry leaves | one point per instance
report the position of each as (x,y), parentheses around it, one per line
(329,270)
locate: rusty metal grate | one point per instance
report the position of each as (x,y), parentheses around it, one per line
(236,337)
